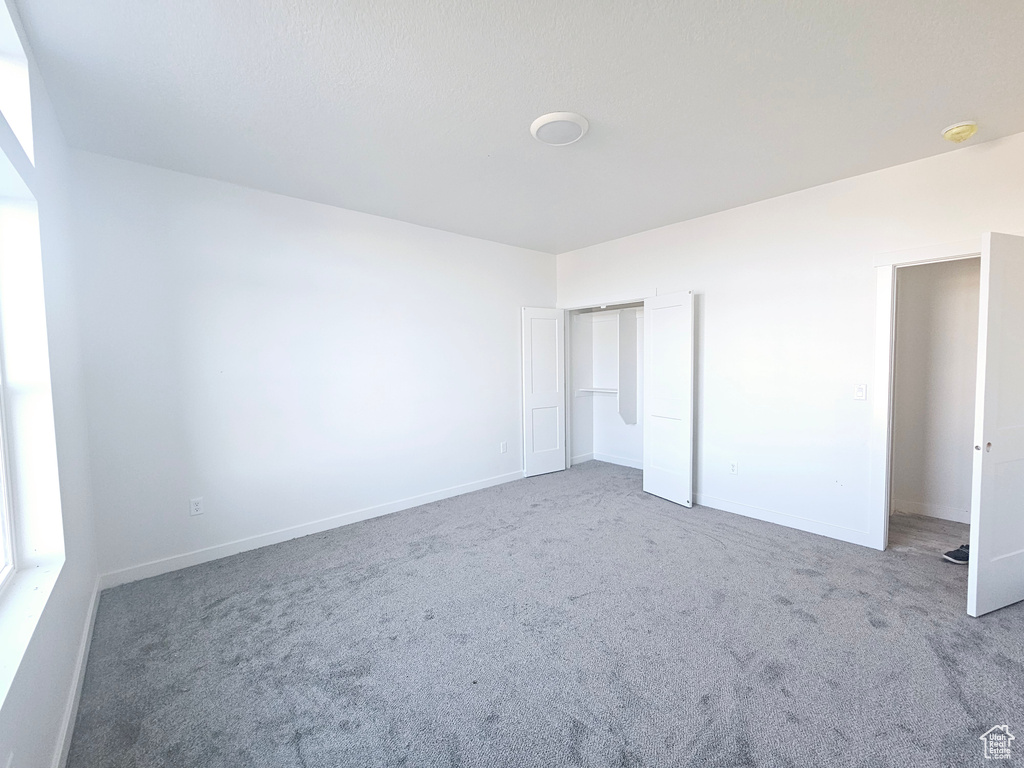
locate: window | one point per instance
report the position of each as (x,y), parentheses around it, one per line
(15,98)
(16,108)
(31,523)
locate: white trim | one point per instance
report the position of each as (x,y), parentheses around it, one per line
(621,461)
(929,253)
(581,458)
(21,607)
(881,412)
(567,325)
(67,726)
(849,535)
(601,306)
(927,509)
(205,555)
(23,165)
(8,549)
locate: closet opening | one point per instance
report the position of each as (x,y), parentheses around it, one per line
(606,350)
(935,371)
(613,383)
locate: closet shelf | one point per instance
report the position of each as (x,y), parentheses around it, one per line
(596,391)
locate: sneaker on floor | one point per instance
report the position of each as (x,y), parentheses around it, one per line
(958,555)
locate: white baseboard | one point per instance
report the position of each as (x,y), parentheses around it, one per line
(67,726)
(621,461)
(580,459)
(940,511)
(790,521)
(205,555)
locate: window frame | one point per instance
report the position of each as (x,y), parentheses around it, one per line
(8,545)
(8,549)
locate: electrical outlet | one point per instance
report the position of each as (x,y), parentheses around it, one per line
(195,506)
(734,468)
(503,447)
(860,392)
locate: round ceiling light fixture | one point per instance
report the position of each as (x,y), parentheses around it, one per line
(559,128)
(959,132)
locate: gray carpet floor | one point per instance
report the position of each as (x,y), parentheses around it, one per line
(562,620)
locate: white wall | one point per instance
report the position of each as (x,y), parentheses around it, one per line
(935,374)
(786,321)
(36,710)
(295,365)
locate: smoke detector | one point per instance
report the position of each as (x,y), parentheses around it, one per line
(959,132)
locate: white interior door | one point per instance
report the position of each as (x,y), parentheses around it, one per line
(543,390)
(996,570)
(668,397)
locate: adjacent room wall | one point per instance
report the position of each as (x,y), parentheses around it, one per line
(935,375)
(296,366)
(786,321)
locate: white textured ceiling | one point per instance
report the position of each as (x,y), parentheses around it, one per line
(420,110)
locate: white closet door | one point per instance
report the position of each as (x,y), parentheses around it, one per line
(668,397)
(996,570)
(543,391)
